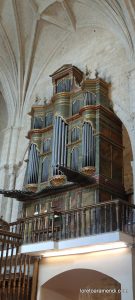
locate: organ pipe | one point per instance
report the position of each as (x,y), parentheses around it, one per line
(53,145)
(64,85)
(33,165)
(59,143)
(62,143)
(75,134)
(59,140)
(45,169)
(92,149)
(75,158)
(89,98)
(65,143)
(88,145)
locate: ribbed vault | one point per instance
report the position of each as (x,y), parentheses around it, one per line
(33,32)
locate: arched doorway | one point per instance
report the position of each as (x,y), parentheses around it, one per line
(80,284)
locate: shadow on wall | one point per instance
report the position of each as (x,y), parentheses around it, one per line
(79,284)
(127,168)
(3,119)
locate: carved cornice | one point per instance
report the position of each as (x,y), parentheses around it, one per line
(39,108)
(61,96)
(87,108)
(38,131)
(72,118)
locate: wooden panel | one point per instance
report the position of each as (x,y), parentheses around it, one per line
(59,202)
(88,197)
(104,196)
(117,161)
(105,158)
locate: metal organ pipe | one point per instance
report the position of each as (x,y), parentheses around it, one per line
(30,164)
(92,148)
(89,98)
(74,160)
(28,167)
(56,145)
(65,144)
(62,143)
(88,145)
(59,143)
(84,145)
(87,138)
(45,169)
(36,164)
(55,141)
(59,140)
(33,165)
(83,148)
(53,144)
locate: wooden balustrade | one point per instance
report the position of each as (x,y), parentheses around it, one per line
(16,269)
(94,219)
(16,272)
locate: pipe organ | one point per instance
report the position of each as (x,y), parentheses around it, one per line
(77,129)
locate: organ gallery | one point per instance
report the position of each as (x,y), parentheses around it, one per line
(73,185)
(75,145)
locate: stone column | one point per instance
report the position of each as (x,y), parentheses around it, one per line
(8,172)
(4,178)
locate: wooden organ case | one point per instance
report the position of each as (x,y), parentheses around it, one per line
(79,131)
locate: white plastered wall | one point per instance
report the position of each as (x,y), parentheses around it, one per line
(114,263)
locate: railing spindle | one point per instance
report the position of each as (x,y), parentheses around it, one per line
(93,219)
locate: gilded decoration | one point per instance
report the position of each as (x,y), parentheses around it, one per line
(88,170)
(31,187)
(57,180)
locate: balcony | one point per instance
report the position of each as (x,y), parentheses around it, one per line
(93,220)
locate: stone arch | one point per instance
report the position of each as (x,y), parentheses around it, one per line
(79,284)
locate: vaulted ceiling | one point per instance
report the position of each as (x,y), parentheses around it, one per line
(38,36)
